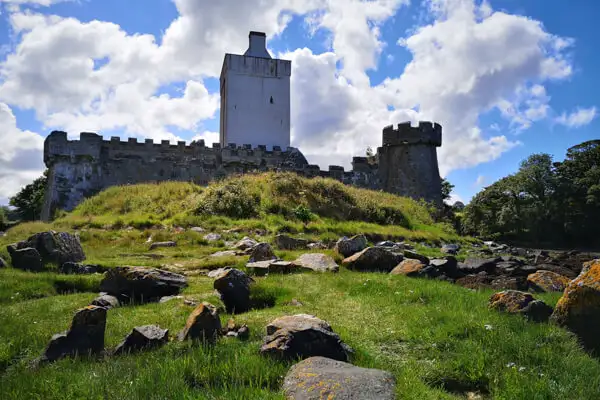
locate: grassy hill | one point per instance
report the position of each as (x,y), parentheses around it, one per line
(439,340)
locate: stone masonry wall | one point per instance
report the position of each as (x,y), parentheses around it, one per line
(406,164)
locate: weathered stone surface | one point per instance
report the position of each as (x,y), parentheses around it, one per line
(509,282)
(447,266)
(303,336)
(239,331)
(166,299)
(450,249)
(271,266)
(27,259)
(316,262)
(516,302)
(197,229)
(225,253)
(2,263)
(212,237)
(349,246)
(55,247)
(158,245)
(475,281)
(245,244)
(142,284)
(85,336)
(316,246)
(559,269)
(203,324)
(579,307)
(475,265)
(217,272)
(286,242)
(262,252)
(373,259)
(319,378)
(143,338)
(80,269)
(547,281)
(233,286)
(408,267)
(416,256)
(106,300)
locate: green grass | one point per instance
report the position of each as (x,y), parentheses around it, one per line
(430,335)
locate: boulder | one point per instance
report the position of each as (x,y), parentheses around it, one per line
(347,247)
(271,266)
(416,256)
(203,324)
(286,242)
(27,259)
(450,249)
(55,247)
(157,245)
(106,300)
(302,336)
(245,244)
(316,262)
(217,272)
(212,237)
(225,253)
(77,268)
(143,338)
(509,282)
(373,259)
(559,269)
(579,307)
(409,267)
(447,266)
(141,284)
(319,378)
(475,265)
(516,302)
(233,286)
(547,281)
(262,252)
(84,337)
(475,281)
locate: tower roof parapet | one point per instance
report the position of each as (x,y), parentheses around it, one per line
(405,134)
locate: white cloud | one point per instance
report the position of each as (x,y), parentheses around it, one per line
(480,181)
(20,154)
(578,118)
(44,3)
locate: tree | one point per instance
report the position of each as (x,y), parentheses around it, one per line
(447,188)
(30,199)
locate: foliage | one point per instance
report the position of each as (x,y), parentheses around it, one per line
(30,199)
(303,214)
(543,202)
(446,189)
(231,198)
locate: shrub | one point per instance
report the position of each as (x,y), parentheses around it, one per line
(231,198)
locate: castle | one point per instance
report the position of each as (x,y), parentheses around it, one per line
(254,136)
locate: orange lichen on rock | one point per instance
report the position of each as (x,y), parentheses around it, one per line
(547,281)
(408,267)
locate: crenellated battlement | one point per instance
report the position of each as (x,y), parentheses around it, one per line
(405,134)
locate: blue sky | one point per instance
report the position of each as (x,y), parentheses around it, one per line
(506,78)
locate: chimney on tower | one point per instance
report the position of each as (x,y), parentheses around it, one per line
(257,46)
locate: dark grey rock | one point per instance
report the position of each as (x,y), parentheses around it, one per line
(475,265)
(447,266)
(319,378)
(55,247)
(27,259)
(416,256)
(450,249)
(77,268)
(106,300)
(85,337)
(262,252)
(286,242)
(245,244)
(157,245)
(373,259)
(233,286)
(142,284)
(143,338)
(203,324)
(349,246)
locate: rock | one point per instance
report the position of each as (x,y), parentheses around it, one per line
(245,244)
(347,247)
(303,336)
(373,259)
(447,266)
(216,272)
(27,259)
(386,243)
(262,252)
(579,307)
(55,247)
(2,263)
(197,229)
(271,266)
(475,265)
(286,242)
(166,299)
(85,336)
(316,246)
(316,262)
(212,237)
(106,300)
(142,284)
(409,267)
(547,281)
(76,268)
(416,256)
(509,282)
(295,303)
(233,330)
(157,245)
(233,286)
(564,271)
(450,249)
(475,281)
(225,253)
(203,324)
(143,338)
(516,302)
(322,378)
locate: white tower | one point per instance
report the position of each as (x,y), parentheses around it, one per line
(255,97)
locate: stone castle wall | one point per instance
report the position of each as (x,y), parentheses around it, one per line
(406,164)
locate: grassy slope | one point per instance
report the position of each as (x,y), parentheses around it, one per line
(424,332)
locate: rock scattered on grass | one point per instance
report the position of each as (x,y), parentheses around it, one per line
(245,244)
(84,337)
(54,247)
(26,259)
(157,245)
(547,281)
(106,300)
(225,253)
(416,256)
(579,308)
(349,246)
(303,336)
(202,325)
(212,237)
(409,267)
(80,269)
(239,331)
(450,248)
(233,286)
(516,302)
(262,252)
(143,338)
(286,242)
(373,259)
(319,378)
(316,262)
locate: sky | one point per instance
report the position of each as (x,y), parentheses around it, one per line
(504,78)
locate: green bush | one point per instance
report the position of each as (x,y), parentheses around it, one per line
(231,198)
